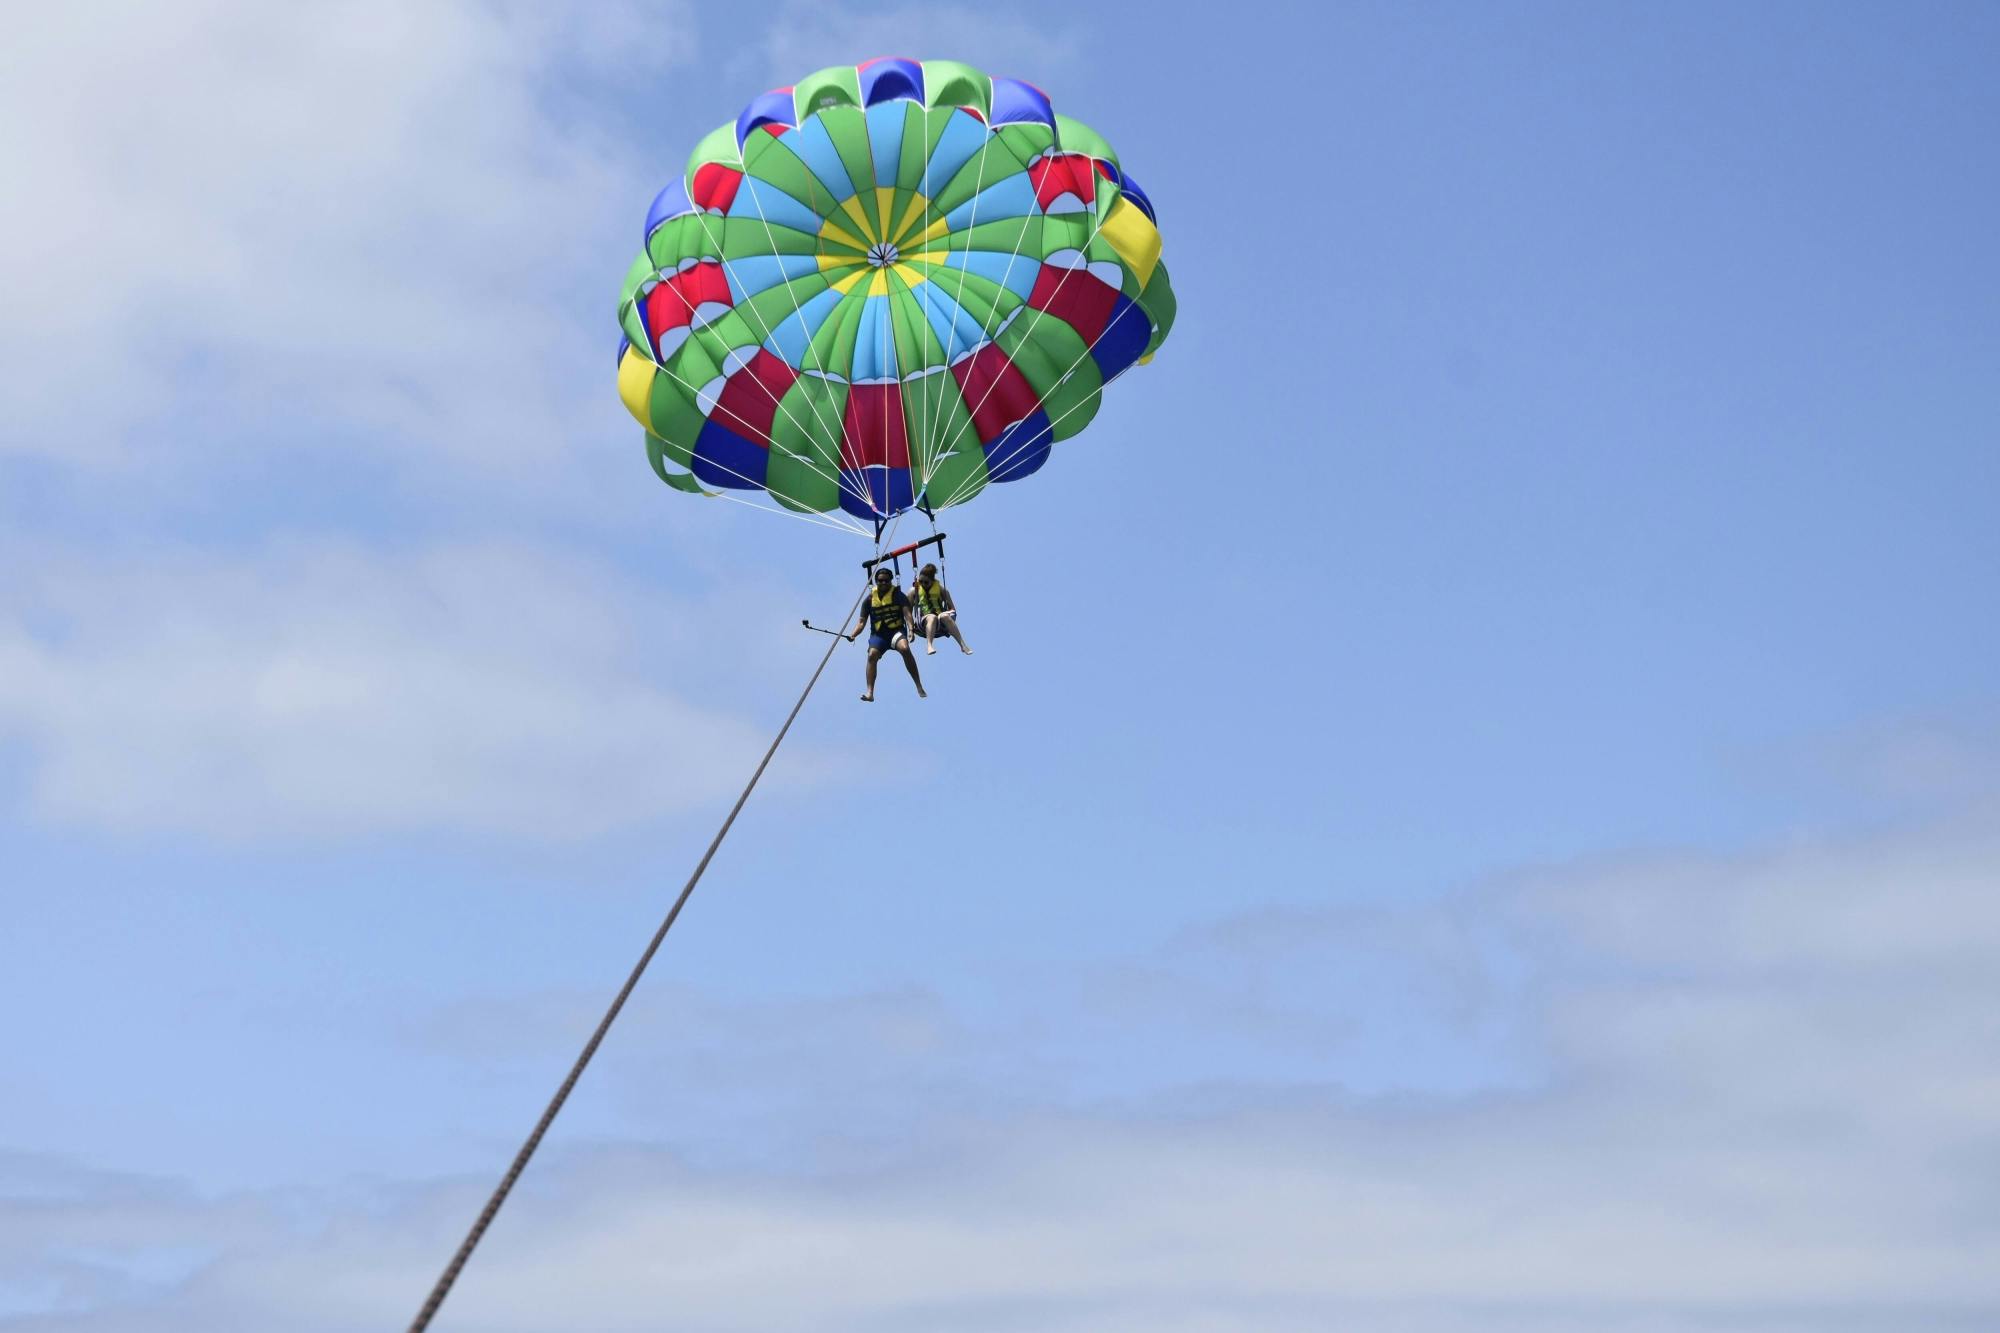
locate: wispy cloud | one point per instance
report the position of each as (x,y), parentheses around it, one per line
(324,688)
(272,223)
(1741,1127)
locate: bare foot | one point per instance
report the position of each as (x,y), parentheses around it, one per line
(921,694)
(868,698)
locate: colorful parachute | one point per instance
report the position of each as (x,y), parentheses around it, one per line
(886,287)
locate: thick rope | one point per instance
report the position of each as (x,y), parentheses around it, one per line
(520,1163)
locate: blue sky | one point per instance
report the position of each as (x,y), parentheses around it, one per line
(1474,806)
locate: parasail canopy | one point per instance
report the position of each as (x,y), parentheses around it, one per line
(886,287)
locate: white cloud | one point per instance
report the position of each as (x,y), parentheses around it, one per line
(327,689)
(286,220)
(1743,1129)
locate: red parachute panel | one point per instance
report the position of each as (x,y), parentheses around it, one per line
(1064,173)
(874,434)
(749,401)
(995,391)
(1076,298)
(715,187)
(672,303)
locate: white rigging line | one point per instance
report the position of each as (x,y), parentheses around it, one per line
(1083,252)
(965,270)
(821,518)
(1084,402)
(694,393)
(1088,399)
(786,279)
(801,511)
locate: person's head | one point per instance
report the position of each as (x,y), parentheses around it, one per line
(883,578)
(927,573)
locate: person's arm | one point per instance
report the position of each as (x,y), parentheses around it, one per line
(909,614)
(856,631)
(950,603)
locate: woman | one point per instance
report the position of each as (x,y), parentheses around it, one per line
(935,609)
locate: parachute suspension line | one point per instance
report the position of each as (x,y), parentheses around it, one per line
(858,491)
(755,484)
(785,279)
(798,313)
(808,516)
(920,460)
(1083,252)
(886,533)
(885,352)
(885,342)
(964,272)
(932,404)
(452,1269)
(810,463)
(986,334)
(1073,407)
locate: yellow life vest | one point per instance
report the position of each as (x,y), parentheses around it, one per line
(883,613)
(929,599)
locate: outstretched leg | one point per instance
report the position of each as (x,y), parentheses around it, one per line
(874,656)
(930,634)
(950,624)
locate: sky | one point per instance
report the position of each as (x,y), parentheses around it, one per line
(1476,804)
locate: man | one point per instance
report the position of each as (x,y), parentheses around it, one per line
(935,610)
(887,610)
